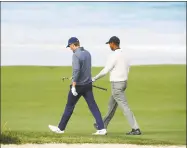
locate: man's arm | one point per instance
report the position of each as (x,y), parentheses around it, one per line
(76,69)
(108,67)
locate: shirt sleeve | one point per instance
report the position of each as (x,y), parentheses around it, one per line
(76,68)
(110,64)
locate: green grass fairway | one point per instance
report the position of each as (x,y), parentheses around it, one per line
(33,97)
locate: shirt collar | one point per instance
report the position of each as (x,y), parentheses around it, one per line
(119,49)
(78,49)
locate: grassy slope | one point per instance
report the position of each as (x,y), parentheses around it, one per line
(33,97)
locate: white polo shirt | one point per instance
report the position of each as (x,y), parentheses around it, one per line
(118,66)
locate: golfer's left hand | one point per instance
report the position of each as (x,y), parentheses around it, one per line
(73,90)
(93,79)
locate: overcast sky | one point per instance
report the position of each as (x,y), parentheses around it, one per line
(36,33)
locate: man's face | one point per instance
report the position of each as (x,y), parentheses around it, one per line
(72,47)
(112,46)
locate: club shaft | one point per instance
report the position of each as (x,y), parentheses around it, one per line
(99,87)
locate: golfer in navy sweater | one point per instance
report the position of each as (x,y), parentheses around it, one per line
(81,86)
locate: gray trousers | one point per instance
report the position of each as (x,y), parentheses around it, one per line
(118,98)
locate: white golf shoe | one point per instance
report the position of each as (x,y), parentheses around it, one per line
(101,132)
(55,129)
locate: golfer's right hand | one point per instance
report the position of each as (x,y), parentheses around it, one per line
(73,90)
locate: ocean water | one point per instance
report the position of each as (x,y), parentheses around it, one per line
(36,33)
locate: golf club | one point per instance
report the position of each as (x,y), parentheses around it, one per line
(66,78)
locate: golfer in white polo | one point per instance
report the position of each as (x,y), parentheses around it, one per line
(118,66)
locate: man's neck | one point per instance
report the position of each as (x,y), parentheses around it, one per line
(116,48)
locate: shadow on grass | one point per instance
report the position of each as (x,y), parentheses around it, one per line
(8,138)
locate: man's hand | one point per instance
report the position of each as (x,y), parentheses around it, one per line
(73,90)
(93,79)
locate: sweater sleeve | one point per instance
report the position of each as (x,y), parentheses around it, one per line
(76,68)
(110,64)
